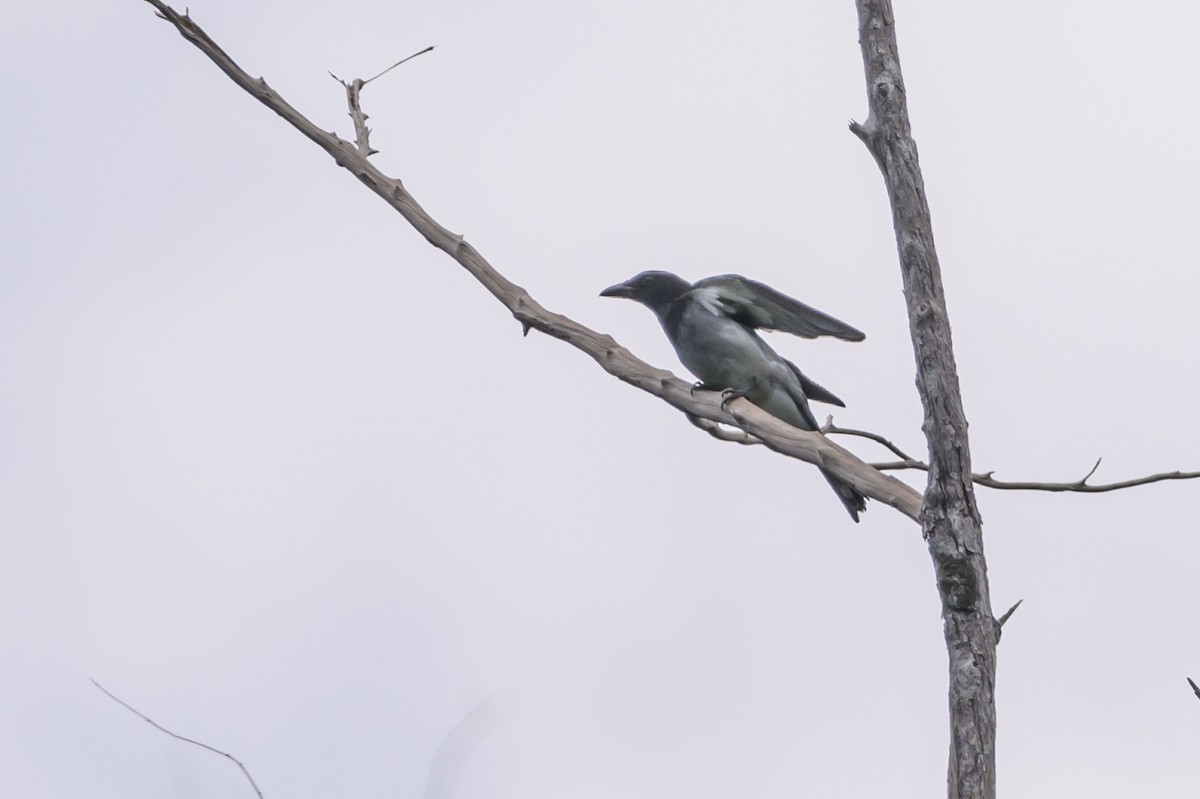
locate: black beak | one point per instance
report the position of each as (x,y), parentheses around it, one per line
(619,290)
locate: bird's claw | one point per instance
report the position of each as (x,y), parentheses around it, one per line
(729,395)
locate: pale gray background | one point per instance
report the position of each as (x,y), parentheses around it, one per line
(284,477)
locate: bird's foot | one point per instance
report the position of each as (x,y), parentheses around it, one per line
(730,394)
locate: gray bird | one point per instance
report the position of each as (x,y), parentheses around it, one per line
(711,324)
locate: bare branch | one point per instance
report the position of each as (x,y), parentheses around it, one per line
(612,357)
(177,736)
(988,481)
(398,63)
(362,133)
(1080,486)
(829,428)
(895,466)
(860,130)
(1008,613)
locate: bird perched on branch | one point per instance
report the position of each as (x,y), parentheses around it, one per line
(712,326)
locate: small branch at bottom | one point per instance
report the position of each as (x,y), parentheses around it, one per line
(185,739)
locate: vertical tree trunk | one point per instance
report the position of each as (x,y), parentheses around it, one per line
(949,517)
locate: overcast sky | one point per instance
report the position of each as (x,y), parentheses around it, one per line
(281,475)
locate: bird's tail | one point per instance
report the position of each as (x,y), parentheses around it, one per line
(850,496)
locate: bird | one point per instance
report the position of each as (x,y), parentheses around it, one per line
(712,325)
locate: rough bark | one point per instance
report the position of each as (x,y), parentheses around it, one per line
(949,518)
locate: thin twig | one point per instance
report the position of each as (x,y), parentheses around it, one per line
(362,134)
(398,63)
(176,735)
(988,481)
(1080,486)
(829,428)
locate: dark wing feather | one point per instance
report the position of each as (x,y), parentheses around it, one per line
(758,305)
(813,390)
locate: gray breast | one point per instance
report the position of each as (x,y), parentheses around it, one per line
(720,351)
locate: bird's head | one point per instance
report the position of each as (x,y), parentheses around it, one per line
(654,289)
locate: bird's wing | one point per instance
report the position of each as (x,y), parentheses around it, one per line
(758,305)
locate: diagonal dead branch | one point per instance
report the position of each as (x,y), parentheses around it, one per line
(177,736)
(612,357)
